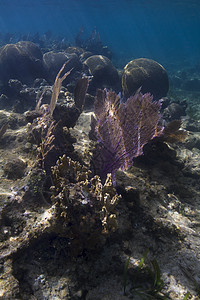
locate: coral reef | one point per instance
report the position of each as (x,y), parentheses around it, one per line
(65,233)
(122,129)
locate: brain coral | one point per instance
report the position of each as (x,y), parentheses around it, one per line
(147,74)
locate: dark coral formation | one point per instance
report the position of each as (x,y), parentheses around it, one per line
(22,61)
(49,136)
(86,206)
(103,72)
(53,61)
(122,129)
(147,74)
(69,109)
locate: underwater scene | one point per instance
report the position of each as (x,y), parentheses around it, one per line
(99,149)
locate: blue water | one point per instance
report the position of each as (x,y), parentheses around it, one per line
(167,30)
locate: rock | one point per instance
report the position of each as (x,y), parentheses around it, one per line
(89,101)
(147,74)
(193,141)
(14,169)
(66,112)
(20,98)
(191,124)
(3,101)
(15,86)
(29,93)
(14,120)
(22,61)
(174,111)
(40,82)
(103,72)
(3,118)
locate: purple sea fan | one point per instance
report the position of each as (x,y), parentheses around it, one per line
(122,129)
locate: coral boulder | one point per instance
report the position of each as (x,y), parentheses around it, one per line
(147,74)
(103,72)
(22,61)
(53,61)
